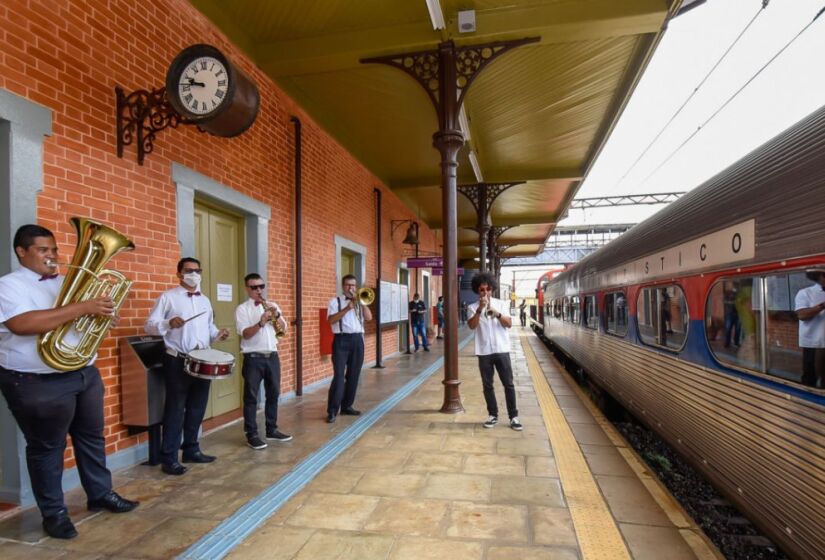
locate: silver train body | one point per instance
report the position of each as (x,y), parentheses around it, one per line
(758,437)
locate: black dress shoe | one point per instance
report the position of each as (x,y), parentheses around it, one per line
(351,412)
(197,457)
(330,418)
(173,468)
(59,526)
(112,502)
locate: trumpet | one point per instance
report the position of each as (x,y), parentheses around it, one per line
(276,323)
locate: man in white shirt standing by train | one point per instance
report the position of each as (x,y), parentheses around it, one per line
(183,316)
(259,346)
(809,305)
(490,319)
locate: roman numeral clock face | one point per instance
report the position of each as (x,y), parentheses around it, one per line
(203,85)
(205,88)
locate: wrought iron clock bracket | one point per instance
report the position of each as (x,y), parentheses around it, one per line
(140,116)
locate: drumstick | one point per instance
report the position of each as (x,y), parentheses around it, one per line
(193,317)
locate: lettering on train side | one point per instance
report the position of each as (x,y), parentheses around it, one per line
(719,248)
(736,242)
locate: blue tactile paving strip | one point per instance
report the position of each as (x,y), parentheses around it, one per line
(221,540)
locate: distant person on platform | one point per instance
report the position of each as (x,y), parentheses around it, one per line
(490,320)
(522,312)
(346,315)
(418,312)
(46,403)
(439,308)
(809,305)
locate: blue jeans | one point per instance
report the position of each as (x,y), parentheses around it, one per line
(420,328)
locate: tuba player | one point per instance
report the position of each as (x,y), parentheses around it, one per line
(48,404)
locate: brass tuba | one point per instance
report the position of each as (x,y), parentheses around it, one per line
(85,280)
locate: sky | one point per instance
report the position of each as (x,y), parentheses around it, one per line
(791,87)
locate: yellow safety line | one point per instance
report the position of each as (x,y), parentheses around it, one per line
(691,533)
(599,537)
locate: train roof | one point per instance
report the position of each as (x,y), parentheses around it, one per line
(779,186)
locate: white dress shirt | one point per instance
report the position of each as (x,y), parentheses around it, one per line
(20,292)
(248,314)
(196,334)
(349,323)
(812,331)
(491,336)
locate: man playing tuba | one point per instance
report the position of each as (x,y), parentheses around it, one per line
(346,315)
(259,345)
(49,403)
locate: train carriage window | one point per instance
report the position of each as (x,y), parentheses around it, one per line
(565,309)
(795,326)
(615,308)
(662,316)
(591,314)
(733,316)
(557,308)
(575,310)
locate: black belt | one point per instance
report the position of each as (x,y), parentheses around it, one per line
(176,354)
(347,333)
(265,355)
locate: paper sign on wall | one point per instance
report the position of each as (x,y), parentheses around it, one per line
(224,292)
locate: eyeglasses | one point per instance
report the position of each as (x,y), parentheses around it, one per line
(191,270)
(257,287)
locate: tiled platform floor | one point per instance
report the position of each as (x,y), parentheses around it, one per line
(418,484)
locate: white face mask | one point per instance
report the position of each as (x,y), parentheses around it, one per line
(193,279)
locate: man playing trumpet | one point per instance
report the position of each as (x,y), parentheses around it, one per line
(346,316)
(256,321)
(490,320)
(47,403)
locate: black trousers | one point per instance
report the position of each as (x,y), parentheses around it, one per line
(347,359)
(813,367)
(257,368)
(186,399)
(47,407)
(501,363)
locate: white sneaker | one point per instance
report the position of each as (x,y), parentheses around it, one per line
(491,421)
(515,424)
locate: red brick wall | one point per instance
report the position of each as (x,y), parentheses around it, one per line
(69,56)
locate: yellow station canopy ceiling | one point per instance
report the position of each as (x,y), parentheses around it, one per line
(540,113)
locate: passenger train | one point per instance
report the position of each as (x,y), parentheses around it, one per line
(689,321)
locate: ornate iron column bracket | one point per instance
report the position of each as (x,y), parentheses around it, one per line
(482,196)
(423,66)
(140,116)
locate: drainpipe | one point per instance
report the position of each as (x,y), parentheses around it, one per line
(378,352)
(299,283)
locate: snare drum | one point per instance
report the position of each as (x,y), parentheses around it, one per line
(209,364)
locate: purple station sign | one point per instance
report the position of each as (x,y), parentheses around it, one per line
(425,262)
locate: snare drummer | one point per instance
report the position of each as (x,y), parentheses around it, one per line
(184,318)
(259,345)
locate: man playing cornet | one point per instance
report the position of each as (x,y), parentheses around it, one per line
(255,320)
(490,320)
(346,316)
(48,403)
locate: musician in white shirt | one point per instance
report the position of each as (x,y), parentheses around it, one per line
(346,316)
(490,320)
(184,318)
(259,346)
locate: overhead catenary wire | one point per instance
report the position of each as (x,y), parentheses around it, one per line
(732,97)
(694,92)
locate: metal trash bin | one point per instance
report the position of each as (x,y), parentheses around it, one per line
(143,388)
